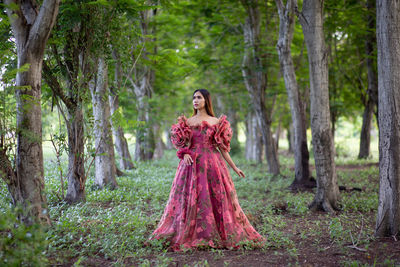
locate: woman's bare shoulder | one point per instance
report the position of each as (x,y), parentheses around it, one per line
(213,120)
(190,120)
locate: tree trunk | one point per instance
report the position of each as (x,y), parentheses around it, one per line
(104,158)
(372,90)
(73,61)
(168,134)
(76,156)
(290,138)
(254,143)
(160,146)
(365,136)
(144,147)
(31,28)
(311,19)
(333,125)
(233,119)
(142,83)
(388,31)
(371,59)
(121,144)
(301,155)
(253,71)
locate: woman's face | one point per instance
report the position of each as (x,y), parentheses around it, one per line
(198,101)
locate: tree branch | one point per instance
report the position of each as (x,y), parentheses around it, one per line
(55,86)
(40,31)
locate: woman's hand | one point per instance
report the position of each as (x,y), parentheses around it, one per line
(239,172)
(187,159)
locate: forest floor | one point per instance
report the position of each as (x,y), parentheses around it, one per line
(111,227)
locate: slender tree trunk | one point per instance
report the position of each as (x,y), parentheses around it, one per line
(145,145)
(233,119)
(104,158)
(169,143)
(254,76)
(301,155)
(75,131)
(388,32)
(254,143)
(372,90)
(160,146)
(333,125)
(311,19)
(365,136)
(76,156)
(120,141)
(371,59)
(31,28)
(142,83)
(74,63)
(290,138)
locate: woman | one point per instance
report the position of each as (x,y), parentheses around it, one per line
(203,209)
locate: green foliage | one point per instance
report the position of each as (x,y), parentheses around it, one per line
(113,225)
(21,245)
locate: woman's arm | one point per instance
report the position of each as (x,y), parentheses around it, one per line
(229,160)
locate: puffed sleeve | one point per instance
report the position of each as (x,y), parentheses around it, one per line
(180,133)
(223,134)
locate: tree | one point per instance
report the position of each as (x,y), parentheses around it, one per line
(254,145)
(121,144)
(78,41)
(31,28)
(311,20)
(67,72)
(372,89)
(254,75)
(301,155)
(142,82)
(388,30)
(105,169)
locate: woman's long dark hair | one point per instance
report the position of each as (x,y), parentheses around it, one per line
(208,103)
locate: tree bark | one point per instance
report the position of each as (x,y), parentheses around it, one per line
(160,146)
(311,20)
(31,28)
(144,147)
(168,145)
(121,144)
(254,145)
(388,31)
(253,71)
(233,119)
(372,90)
(290,138)
(301,155)
(76,155)
(105,168)
(365,136)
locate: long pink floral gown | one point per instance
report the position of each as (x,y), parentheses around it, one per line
(203,209)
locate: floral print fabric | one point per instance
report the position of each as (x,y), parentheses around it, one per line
(203,209)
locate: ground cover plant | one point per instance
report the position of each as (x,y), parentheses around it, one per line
(112,226)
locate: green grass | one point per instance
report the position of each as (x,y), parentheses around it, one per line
(113,225)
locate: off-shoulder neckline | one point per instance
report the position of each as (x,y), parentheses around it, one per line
(220,119)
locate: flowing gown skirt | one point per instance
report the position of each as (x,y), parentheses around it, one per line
(203,209)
